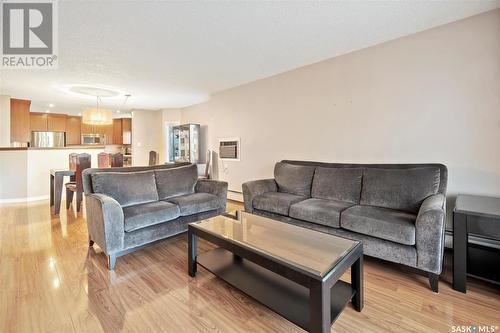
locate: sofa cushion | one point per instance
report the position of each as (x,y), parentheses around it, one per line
(128,188)
(343,184)
(400,189)
(320,211)
(195,203)
(176,181)
(384,223)
(148,214)
(276,202)
(294,179)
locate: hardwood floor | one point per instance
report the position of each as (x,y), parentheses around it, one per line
(51,281)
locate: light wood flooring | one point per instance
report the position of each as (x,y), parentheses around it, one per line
(51,281)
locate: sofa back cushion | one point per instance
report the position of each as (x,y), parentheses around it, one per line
(401,189)
(128,188)
(176,181)
(342,184)
(294,179)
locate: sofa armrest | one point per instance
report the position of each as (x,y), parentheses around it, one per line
(430,226)
(215,187)
(257,187)
(105,222)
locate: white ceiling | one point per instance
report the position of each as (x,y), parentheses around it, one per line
(174,54)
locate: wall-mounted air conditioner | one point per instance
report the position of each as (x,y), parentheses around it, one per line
(229,149)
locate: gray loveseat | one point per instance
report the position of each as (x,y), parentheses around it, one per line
(131,207)
(396,210)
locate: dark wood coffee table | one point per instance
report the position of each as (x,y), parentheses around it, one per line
(292,270)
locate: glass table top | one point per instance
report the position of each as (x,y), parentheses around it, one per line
(313,251)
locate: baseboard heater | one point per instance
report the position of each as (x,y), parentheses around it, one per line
(235,195)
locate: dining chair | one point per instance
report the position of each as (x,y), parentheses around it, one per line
(153,157)
(116,160)
(103,160)
(82,163)
(72,165)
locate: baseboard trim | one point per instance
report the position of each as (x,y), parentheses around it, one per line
(235,196)
(27,199)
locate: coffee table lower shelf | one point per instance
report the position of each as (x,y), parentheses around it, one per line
(281,295)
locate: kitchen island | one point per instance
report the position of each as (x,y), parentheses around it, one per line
(24,171)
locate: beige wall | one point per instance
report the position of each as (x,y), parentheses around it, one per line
(147,135)
(4,121)
(13,171)
(430,97)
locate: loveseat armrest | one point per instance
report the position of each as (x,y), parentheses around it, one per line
(105,222)
(254,188)
(215,187)
(430,226)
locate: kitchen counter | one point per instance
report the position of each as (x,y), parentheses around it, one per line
(52,148)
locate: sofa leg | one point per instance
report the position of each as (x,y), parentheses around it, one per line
(111,261)
(434,282)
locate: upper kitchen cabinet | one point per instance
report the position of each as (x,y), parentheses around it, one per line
(117,132)
(56,122)
(19,120)
(38,122)
(73,130)
(127,131)
(87,129)
(108,132)
(44,122)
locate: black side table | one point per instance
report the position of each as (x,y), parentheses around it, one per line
(473,215)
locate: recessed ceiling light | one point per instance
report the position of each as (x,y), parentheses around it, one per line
(51,105)
(47,111)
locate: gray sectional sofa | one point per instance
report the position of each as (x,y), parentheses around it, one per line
(396,210)
(128,208)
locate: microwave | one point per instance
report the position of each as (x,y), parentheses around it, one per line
(93,139)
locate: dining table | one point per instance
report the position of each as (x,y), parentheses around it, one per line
(56,187)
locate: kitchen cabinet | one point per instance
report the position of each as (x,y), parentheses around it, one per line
(47,122)
(117,131)
(127,131)
(73,130)
(87,129)
(38,122)
(108,132)
(20,120)
(56,122)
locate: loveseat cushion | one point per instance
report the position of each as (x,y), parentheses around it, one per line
(276,202)
(176,181)
(343,184)
(294,179)
(400,189)
(195,203)
(320,211)
(148,214)
(128,188)
(384,223)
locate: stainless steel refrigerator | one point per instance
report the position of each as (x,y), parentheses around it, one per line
(48,139)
